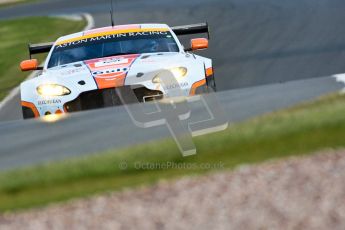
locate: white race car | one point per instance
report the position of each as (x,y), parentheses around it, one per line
(82,70)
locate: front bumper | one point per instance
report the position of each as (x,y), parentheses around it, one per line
(103,98)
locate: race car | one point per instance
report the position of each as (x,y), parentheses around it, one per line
(82,70)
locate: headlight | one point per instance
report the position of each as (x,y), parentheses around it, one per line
(53,90)
(178,73)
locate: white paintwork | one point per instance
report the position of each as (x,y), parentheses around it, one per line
(152,63)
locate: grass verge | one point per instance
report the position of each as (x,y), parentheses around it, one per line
(7,3)
(15,36)
(297,131)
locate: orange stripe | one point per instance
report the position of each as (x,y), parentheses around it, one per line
(110,28)
(111,33)
(58,111)
(105,83)
(32,107)
(209,72)
(197,85)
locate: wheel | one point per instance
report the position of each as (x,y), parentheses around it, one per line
(211,83)
(27,113)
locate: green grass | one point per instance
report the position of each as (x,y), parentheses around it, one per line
(15,36)
(297,131)
(7,4)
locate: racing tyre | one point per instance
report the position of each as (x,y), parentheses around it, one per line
(211,84)
(27,113)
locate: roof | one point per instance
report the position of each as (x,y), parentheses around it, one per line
(112,30)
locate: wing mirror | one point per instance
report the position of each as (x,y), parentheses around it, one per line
(198,44)
(28,65)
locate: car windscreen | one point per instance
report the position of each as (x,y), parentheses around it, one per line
(112,45)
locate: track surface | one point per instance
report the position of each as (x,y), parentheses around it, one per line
(254,42)
(29,142)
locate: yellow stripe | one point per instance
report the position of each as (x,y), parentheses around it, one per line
(111,33)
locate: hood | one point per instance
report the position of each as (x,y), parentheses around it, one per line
(102,73)
(120,70)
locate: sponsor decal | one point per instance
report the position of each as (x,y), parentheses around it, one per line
(115,61)
(148,61)
(111,72)
(72,71)
(105,73)
(177,85)
(111,37)
(50,102)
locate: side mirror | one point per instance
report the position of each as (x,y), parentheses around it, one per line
(28,65)
(199,44)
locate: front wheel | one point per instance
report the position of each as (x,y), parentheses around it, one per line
(211,83)
(27,113)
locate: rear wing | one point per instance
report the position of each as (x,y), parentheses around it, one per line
(40,48)
(201,28)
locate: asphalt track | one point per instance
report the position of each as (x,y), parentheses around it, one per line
(258,47)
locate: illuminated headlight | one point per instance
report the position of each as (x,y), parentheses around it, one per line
(53,90)
(178,72)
